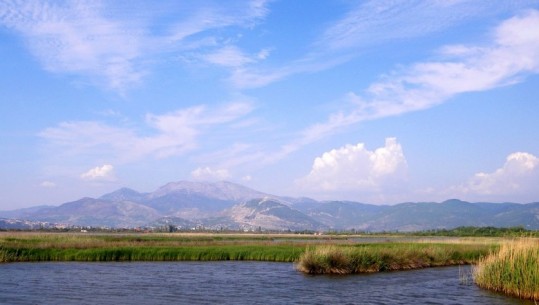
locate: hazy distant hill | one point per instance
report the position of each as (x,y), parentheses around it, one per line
(125,194)
(342,214)
(26,212)
(189,199)
(16,224)
(271,214)
(228,205)
(98,212)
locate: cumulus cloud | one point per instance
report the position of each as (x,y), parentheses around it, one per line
(354,168)
(105,172)
(517,178)
(209,174)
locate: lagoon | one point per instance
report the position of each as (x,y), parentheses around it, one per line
(230,282)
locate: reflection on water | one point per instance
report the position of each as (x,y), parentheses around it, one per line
(229,283)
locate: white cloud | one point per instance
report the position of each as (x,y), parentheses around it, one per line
(229,56)
(48,184)
(253,77)
(512,55)
(263,54)
(105,172)
(517,178)
(378,21)
(209,174)
(509,58)
(170,134)
(249,78)
(353,168)
(76,38)
(114,41)
(369,23)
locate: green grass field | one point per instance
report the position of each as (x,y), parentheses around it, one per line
(25,247)
(385,254)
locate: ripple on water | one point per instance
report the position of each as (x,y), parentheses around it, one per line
(229,283)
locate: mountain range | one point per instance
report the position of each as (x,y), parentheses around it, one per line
(226,205)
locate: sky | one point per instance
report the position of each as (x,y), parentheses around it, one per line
(372,101)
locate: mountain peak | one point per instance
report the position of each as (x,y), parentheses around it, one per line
(225,204)
(124,194)
(454,201)
(222,190)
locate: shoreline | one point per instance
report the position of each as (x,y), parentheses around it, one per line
(313,255)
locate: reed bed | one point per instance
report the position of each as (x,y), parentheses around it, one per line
(196,253)
(387,257)
(24,247)
(313,254)
(514,270)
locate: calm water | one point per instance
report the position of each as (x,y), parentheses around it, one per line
(228,283)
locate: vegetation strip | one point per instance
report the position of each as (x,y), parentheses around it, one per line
(26,247)
(196,253)
(344,256)
(387,257)
(514,270)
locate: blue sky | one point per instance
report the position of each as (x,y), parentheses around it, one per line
(373,101)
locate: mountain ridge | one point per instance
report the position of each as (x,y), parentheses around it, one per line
(233,206)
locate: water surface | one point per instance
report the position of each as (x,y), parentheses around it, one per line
(229,283)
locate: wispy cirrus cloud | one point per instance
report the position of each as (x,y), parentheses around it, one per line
(370,23)
(230,56)
(373,22)
(209,174)
(509,58)
(170,134)
(116,41)
(234,57)
(76,38)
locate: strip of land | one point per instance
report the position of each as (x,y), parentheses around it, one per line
(38,246)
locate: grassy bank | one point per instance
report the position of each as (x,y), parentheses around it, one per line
(313,254)
(25,247)
(514,270)
(387,257)
(277,253)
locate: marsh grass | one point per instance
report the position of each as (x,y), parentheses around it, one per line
(514,270)
(197,253)
(24,247)
(387,257)
(327,254)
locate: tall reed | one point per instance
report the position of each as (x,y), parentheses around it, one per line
(337,259)
(514,270)
(277,253)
